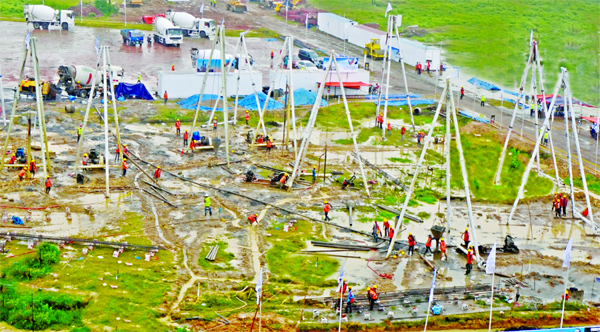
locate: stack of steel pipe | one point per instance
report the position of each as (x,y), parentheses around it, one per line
(212,253)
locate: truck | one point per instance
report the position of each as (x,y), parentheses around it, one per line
(77,79)
(373,49)
(132,37)
(192,26)
(166,33)
(45,17)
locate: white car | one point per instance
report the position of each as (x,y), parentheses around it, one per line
(306,65)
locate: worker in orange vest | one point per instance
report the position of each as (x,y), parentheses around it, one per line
(118,153)
(469,261)
(428,245)
(269,146)
(215,124)
(13,158)
(411,244)
(173,68)
(193,145)
(124,165)
(22,173)
(380,120)
(443,249)
(372,297)
(391,234)
(252,219)
(157,173)
(32,168)
(48,185)
(386,227)
(178,127)
(186,136)
(326,209)
(403,131)
(557,207)
(389,128)
(282,180)
(166,96)
(247,117)
(465,237)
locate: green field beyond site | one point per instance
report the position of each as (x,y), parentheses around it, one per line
(489,38)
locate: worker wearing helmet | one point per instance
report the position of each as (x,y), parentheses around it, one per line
(186,136)
(465,237)
(269,145)
(282,180)
(48,185)
(79,132)
(125,150)
(22,173)
(443,249)
(469,261)
(178,127)
(350,302)
(124,166)
(215,124)
(372,297)
(380,120)
(411,244)
(247,118)
(207,205)
(314,174)
(326,209)
(32,168)
(85,160)
(157,173)
(13,159)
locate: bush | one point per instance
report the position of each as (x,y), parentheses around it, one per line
(105,7)
(33,268)
(91,15)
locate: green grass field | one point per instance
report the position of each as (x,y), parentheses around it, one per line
(490,38)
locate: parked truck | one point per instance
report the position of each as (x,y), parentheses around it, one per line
(45,17)
(166,33)
(77,80)
(192,26)
(132,37)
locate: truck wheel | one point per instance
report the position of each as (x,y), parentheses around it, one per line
(203,34)
(36,25)
(45,26)
(65,26)
(83,94)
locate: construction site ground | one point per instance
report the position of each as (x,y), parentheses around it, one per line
(179,288)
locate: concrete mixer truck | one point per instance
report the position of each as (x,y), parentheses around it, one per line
(45,17)
(77,80)
(166,33)
(192,26)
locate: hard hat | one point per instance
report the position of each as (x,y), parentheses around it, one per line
(466,229)
(124,144)
(375,286)
(325,202)
(205,195)
(403,253)
(409,233)
(77,82)
(350,287)
(48,176)
(368,288)
(314,166)
(186,131)
(177,119)
(470,246)
(124,159)
(24,167)
(157,166)
(232,151)
(567,292)
(85,154)
(13,154)
(286,174)
(469,250)
(343,279)
(33,160)
(246,111)
(442,239)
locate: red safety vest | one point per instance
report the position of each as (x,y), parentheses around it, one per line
(252,218)
(403,130)
(373,294)
(32,166)
(12,160)
(386,224)
(428,243)
(470,258)
(177,124)
(380,119)
(157,173)
(557,204)
(391,233)
(247,116)
(22,173)
(48,183)
(282,180)
(411,241)
(269,144)
(443,246)
(186,135)
(124,164)
(326,208)
(466,236)
(389,126)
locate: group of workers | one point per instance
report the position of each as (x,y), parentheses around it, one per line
(372,296)
(559,205)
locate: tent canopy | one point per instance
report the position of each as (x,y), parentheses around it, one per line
(133,91)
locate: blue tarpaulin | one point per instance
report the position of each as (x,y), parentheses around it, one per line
(17,220)
(390,96)
(191,103)
(133,91)
(249,102)
(305,97)
(484,85)
(405,102)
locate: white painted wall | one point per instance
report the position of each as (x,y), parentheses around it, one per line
(188,83)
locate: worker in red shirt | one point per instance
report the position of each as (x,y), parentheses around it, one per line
(186,136)
(32,168)
(178,127)
(403,131)
(389,128)
(118,154)
(157,173)
(462,92)
(252,219)
(443,249)
(247,117)
(13,158)
(124,166)
(465,237)
(391,234)
(269,146)
(326,209)
(22,173)
(282,180)
(125,150)
(564,202)
(557,207)
(173,68)
(469,261)
(386,227)
(428,245)
(411,244)
(48,185)
(565,296)
(166,97)
(380,120)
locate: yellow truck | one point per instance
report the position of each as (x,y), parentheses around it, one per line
(236,6)
(373,50)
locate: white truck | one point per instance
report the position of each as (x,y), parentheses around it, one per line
(45,17)
(77,80)
(192,26)
(166,33)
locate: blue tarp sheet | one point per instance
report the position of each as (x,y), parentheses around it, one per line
(484,85)
(405,102)
(17,220)
(516,94)
(133,91)
(249,102)
(305,97)
(391,96)
(191,103)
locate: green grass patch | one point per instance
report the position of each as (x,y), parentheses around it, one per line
(399,160)
(258,33)
(14,8)
(35,267)
(481,158)
(222,260)
(427,195)
(168,114)
(300,269)
(593,183)
(566,31)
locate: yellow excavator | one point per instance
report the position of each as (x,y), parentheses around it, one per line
(236,6)
(373,50)
(49,90)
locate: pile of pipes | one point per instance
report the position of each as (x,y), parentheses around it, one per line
(212,253)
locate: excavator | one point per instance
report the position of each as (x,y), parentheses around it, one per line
(236,6)
(49,90)
(373,50)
